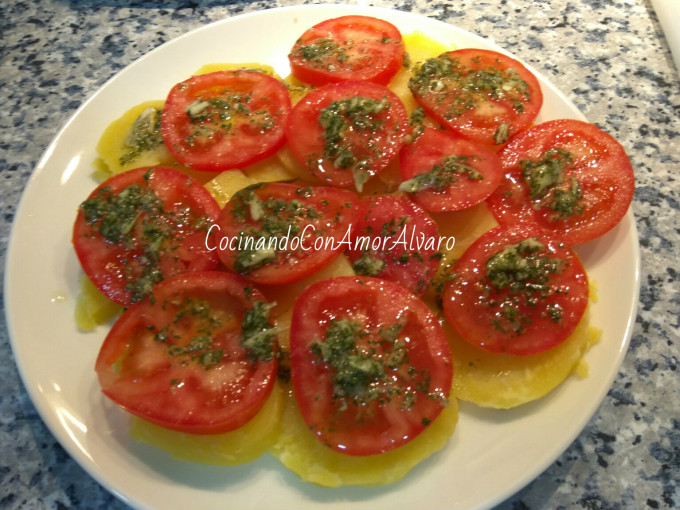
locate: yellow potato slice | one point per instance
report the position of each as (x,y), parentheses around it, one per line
(299,450)
(503,381)
(225,184)
(119,147)
(239,446)
(270,169)
(248,66)
(465,226)
(285,295)
(292,165)
(296,88)
(92,307)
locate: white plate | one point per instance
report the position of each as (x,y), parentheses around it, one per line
(491,455)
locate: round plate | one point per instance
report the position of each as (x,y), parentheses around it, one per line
(492,453)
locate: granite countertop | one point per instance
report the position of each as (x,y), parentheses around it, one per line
(608,56)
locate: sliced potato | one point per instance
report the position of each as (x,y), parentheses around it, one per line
(300,451)
(296,88)
(92,307)
(503,381)
(285,295)
(294,167)
(132,141)
(247,66)
(270,169)
(239,446)
(225,184)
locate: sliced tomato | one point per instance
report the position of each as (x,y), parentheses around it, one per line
(225,120)
(370,364)
(482,95)
(396,240)
(443,172)
(347,132)
(142,226)
(517,289)
(359,48)
(199,358)
(568,176)
(279,232)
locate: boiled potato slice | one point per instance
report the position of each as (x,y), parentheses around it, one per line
(300,451)
(239,446)
(225,185)
(465,226)
(248,66)
(92,307)
(270,169)
(132,141)
(285,295)
(296,88)
(293,166)
(503,381)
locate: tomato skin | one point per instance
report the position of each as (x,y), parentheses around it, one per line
(151,377)
(380,424)
(408,238)
(372,147)
(600,165)
(359,48)
(124,269)
(255,104)
(499,320)
(328,214)
(465,92)
(432,148)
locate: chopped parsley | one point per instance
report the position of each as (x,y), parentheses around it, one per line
(222,113)
(267,224)
(370,365)
(145,135)
(522,269)
(441,176)
(368,265)
(258,335)
(116,214)
(134,219)
(356,113)
(205,324)
(547,184)
(459,88)
(321,53)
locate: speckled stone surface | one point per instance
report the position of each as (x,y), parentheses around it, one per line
(608,56)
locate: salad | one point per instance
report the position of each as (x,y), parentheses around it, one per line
(224,313)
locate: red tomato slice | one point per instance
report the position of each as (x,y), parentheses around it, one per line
(345,133)
(370,364)
(566,175)
(396,240)
(518,290)
(279,232)
(225,120)
(482,95)
(142,226)
(443,172)
(348,48)
(199,358)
